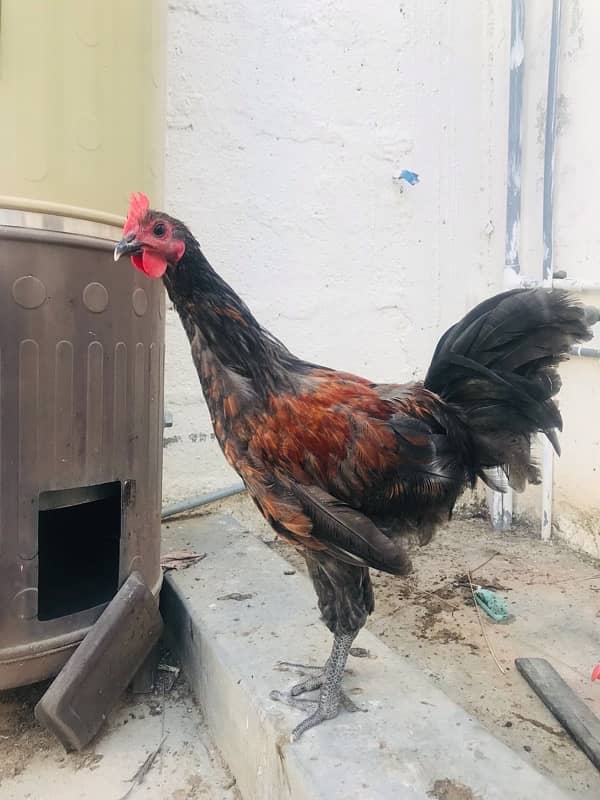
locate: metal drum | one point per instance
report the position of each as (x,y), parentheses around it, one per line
(81,410)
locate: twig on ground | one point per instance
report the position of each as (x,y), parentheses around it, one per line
(483,631)
(143,770)
(479,566)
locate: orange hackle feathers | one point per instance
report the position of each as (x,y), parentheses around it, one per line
(138,208)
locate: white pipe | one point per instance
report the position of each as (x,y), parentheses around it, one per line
(548,239)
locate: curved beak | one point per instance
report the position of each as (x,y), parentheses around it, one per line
(126,247)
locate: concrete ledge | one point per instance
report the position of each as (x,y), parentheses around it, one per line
(412,737)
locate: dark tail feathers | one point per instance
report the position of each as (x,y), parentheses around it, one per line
(498,366)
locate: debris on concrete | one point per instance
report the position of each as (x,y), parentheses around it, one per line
(33,763)
(236,596)
(144,679)
(451,790)
(180,559)
(145,768)
(170,673)
(81,696)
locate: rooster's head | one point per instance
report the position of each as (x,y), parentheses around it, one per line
(151,239)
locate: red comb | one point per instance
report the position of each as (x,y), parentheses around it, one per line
(138,206)
(596,673)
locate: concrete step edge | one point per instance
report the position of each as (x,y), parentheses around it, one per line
(414,742)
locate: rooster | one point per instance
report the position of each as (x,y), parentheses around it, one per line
(345,469)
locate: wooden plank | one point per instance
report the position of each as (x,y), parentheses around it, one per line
(572,713)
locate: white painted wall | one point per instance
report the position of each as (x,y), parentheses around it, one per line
(287,122)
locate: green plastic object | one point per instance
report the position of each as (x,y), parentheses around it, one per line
(493,605)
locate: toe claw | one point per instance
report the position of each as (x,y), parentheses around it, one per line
(319,716)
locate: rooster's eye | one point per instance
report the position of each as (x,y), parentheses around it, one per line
(159,229)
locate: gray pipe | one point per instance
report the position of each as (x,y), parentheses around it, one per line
(201,500)
(515,107)
(549,146)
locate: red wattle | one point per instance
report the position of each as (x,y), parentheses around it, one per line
(150,262)
(154,263)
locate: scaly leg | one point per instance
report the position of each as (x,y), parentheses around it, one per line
(331,696)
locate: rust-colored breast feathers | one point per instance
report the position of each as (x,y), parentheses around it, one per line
(312,435)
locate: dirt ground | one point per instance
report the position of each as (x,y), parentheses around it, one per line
(34,766)
(553,597)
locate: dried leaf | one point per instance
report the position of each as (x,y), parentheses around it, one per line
(180,559)
(235,596)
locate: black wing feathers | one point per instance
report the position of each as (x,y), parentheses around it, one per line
(350,532)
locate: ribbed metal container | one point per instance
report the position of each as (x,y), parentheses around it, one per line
(81,375)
